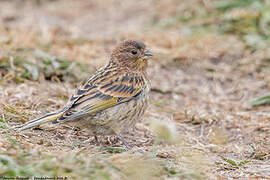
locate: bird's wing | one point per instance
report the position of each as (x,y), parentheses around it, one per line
(106,89)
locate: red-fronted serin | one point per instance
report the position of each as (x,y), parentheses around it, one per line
(113,99)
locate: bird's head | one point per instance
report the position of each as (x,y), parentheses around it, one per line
(132,55)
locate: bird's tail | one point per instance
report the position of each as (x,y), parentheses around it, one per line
(42,120)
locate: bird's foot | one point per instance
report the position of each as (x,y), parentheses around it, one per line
(124,142)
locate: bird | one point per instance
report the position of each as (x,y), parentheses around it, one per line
(113,100)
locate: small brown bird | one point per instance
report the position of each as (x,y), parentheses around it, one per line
(113,99)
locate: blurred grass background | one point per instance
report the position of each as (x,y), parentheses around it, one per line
(247,20)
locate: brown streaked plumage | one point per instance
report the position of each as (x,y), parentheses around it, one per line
(113,99)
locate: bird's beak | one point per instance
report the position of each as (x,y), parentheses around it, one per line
(148,53)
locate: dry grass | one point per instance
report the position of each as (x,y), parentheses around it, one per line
(200,124)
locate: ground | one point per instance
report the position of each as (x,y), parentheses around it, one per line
(207,69)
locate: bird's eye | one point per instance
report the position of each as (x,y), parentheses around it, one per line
(134,52)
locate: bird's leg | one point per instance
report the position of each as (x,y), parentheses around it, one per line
(109,140)
(96,139)
(124,142)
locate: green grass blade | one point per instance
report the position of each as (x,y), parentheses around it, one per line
(261,100)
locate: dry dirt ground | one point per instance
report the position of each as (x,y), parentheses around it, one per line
(200,124)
